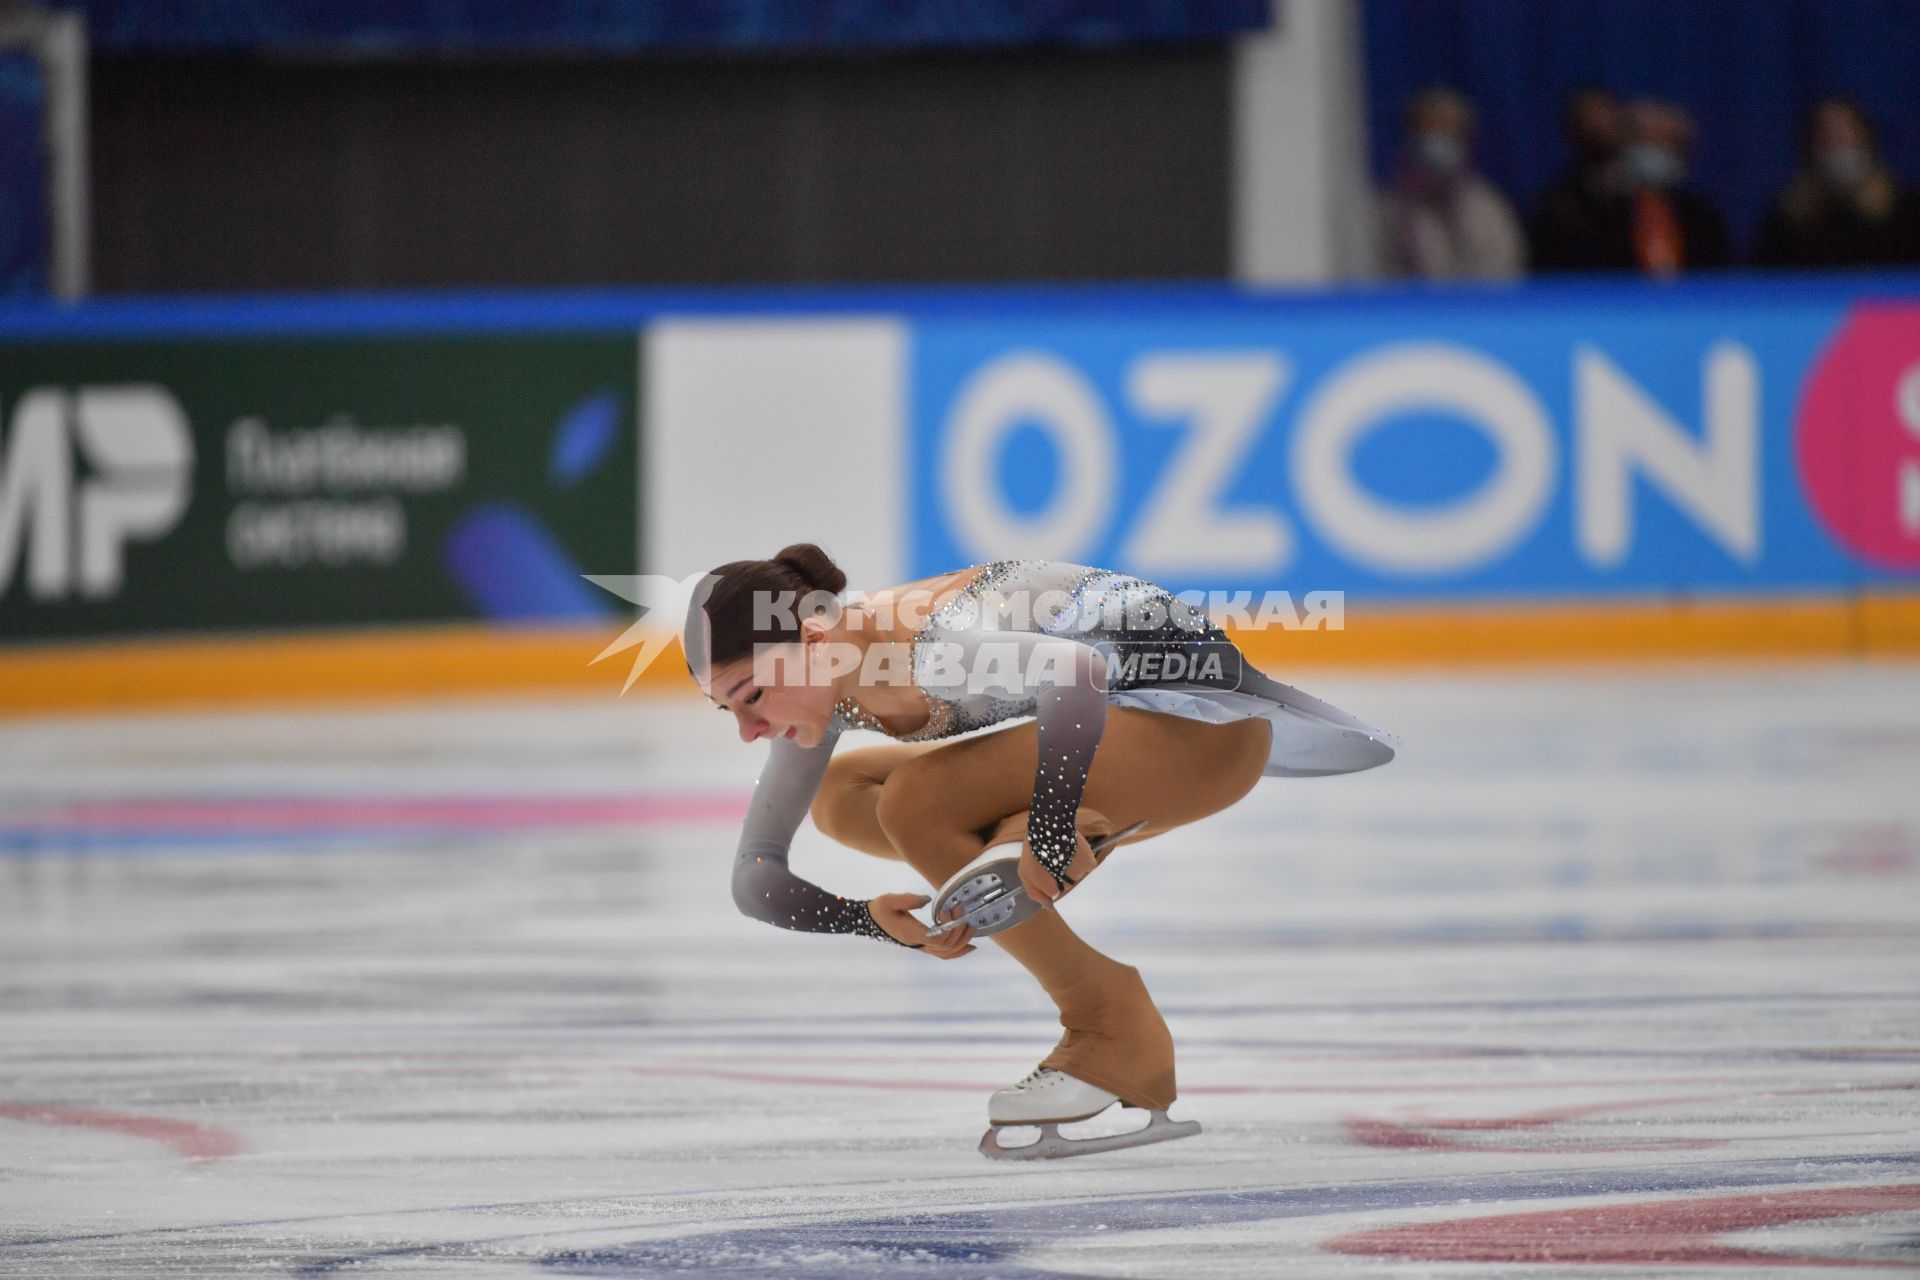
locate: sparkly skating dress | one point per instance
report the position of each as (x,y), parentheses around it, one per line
(1059,642)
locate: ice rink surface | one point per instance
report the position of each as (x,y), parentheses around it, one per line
(1610,974)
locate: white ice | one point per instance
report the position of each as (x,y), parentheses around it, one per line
(1611,973)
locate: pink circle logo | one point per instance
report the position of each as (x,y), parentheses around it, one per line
(1857,436)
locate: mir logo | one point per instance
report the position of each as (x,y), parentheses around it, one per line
(82,474)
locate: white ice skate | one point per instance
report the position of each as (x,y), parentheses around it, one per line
(988,891)
(1049,1098)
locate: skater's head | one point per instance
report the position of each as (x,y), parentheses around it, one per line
(758,636)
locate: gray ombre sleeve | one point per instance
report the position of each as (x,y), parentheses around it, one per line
(1067,679)
(763,885)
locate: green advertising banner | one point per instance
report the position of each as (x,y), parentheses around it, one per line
(206,485)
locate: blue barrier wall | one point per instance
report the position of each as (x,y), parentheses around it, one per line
(1612,440)
(1616,442)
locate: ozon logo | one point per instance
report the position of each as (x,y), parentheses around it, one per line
(83,473)
(1857,436)
(1623,441)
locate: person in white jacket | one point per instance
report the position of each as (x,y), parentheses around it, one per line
(1438,218)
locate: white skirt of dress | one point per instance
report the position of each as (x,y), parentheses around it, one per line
(1311,738)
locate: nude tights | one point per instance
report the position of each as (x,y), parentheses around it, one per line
(937,805)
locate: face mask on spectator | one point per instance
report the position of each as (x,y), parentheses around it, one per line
(1648,165)
(1442,154)
(1845,165)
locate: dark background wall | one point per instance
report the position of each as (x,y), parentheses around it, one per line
(229,173)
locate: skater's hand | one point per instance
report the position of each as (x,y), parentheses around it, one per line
(894,911)
(1039,882)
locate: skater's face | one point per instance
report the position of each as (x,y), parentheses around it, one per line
(786,693)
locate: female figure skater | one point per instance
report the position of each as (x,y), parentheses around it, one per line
(1145,717)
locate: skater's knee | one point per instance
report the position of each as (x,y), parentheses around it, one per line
(846,797)
(909,806)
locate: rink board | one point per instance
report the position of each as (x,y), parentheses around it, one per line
(458,661)
(1557,472)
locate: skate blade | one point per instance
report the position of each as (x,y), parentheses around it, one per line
(990,895)
(1053,1146)
(1104,843)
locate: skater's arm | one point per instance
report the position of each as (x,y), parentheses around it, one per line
(763,886)
(1067,680)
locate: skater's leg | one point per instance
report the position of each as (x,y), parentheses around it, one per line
(1173,770)
(1100,1007)
(1102,1002)
(943,808)
(845,807)
(1114,1036)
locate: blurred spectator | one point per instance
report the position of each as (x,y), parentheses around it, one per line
(1584,221)
(1624,203)
(1844,208)
(1675,227)
(1439,220)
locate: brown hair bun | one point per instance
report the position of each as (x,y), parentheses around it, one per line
(813,566)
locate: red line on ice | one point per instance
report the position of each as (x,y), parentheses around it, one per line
(1554,1115)
(348,813)
(773,1077)
(202,1142)
(1668,1232)
(1385,1133)
(1425,1133)
(1420,1134)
